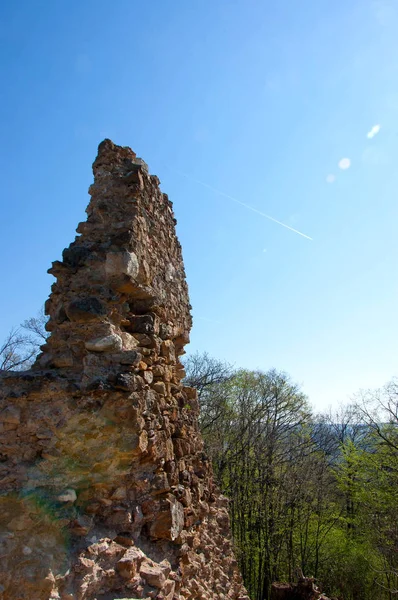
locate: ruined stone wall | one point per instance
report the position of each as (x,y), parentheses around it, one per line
(105,491)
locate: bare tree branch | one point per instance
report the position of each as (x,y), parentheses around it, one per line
(16,352)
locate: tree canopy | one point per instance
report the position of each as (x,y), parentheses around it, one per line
(309,494)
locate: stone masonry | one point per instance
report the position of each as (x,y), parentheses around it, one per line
(105,490)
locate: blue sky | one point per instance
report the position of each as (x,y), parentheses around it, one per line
(257,99)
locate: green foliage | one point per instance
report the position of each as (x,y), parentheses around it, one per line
(313,496)
(345,566)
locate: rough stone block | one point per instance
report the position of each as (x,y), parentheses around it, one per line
(153,575)
(121,263)
(168,523)
(85,310)
(108,343)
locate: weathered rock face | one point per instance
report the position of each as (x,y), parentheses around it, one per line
(105,489)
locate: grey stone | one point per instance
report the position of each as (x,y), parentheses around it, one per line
(121,263)
(85,310)
(142,324)
(108,343)
(75,256)
(126,382)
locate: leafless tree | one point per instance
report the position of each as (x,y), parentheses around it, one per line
(204,371)
(37,327)
(337,427)
(379,411)
(21,345)
(17,351)
(210,377)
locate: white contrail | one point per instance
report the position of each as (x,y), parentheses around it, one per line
(210,187)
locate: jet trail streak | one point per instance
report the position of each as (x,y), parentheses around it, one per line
(210,187)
